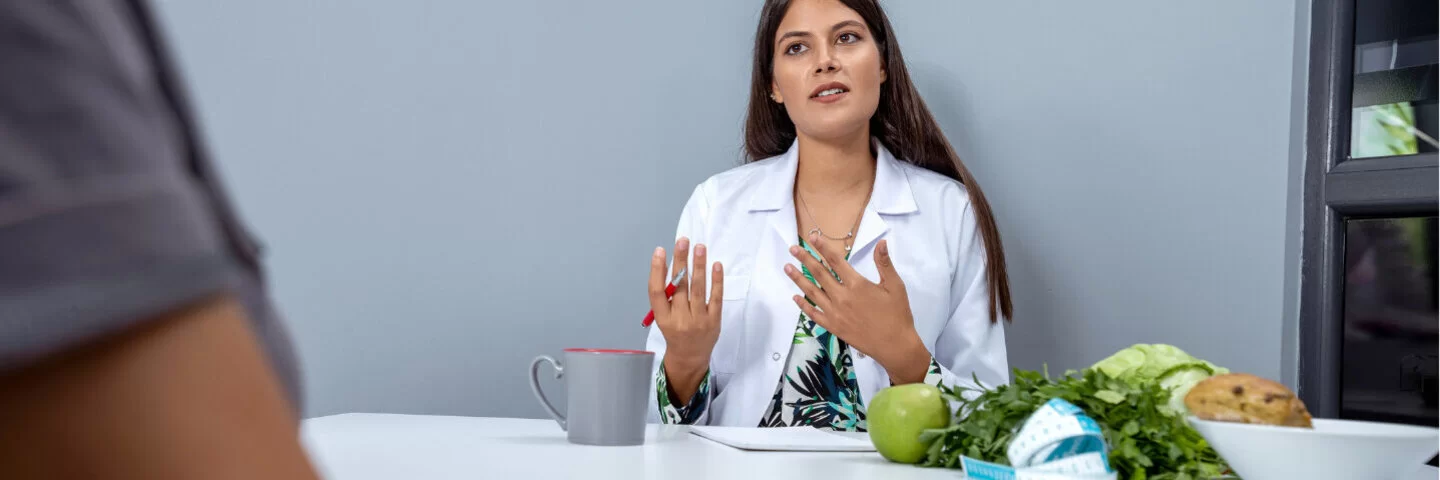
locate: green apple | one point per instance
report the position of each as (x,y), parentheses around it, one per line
(899,414)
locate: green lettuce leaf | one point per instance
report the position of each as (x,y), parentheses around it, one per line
(1166,365)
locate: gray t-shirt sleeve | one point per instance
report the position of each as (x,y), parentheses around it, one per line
(86,258)
(104,220)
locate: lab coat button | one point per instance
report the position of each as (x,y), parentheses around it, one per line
(775,356)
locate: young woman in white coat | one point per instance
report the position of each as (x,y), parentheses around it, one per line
(852,252)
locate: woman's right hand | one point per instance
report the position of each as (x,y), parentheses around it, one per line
(690,324)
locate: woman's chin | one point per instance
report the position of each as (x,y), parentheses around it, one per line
(835,130)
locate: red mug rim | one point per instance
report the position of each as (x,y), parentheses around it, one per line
(607,350)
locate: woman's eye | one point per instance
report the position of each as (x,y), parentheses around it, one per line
(848,38)
(796,49)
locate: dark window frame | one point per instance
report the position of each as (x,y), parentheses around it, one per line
(1337,188)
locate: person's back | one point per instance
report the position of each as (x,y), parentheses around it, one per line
(136,339)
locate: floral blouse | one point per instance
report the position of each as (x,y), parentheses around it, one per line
(817,389)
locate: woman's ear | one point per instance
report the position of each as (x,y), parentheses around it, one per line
(775,93)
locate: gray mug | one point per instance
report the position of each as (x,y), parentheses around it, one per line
(606,392)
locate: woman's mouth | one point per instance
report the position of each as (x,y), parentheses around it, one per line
(830,96)
(830,93)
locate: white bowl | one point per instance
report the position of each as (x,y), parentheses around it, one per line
(1334,449)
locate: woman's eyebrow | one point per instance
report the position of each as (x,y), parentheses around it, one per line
(847,23)
(791,34)
(797,33)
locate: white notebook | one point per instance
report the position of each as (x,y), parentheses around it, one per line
(797,439)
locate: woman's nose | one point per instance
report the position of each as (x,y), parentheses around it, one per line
(827,63)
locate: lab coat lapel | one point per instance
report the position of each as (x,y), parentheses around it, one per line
(891,195)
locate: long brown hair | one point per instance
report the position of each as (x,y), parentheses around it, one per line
(901,122)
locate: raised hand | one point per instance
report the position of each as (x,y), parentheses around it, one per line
(690,323)
(873,318)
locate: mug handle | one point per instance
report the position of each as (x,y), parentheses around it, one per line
(535,386)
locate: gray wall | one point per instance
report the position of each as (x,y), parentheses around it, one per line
(1138,153)
(449,188)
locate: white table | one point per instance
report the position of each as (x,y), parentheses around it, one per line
(382,446)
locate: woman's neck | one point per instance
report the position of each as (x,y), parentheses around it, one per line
(830,169)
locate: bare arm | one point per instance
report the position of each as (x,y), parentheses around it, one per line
(187,395)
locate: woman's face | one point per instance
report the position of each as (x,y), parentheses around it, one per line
(827,69)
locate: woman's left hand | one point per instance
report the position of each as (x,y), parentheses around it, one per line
(873,318)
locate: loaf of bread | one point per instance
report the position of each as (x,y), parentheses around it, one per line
(1245,398)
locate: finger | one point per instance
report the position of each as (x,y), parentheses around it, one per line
(809,310)
(835,260)
(658,303)
(717,290)
(681,300)
(889,277)
(822,275)
(697,270)
(814,293)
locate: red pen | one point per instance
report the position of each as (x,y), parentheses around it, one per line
(669,292)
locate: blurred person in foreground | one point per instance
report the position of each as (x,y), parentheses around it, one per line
(136,340)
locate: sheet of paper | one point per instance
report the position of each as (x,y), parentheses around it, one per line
(799,439)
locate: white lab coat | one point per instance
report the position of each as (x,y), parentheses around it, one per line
(746,219)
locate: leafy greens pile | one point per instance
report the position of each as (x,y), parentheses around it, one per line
(1167,365)
(1149,439)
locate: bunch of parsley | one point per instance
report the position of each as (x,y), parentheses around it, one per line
(1147,440)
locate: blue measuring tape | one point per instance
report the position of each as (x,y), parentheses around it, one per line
(1057,442)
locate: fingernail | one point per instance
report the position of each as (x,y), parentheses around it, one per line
(659,251)
(717,267)
(794,250)
(682,243)
(700,249)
